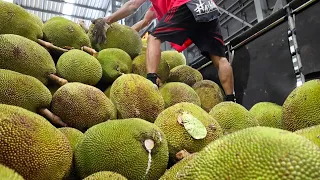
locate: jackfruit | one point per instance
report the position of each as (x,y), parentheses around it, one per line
(185,74)
(121,37)
(144,46)
(114,62)
(135,97)
(176,133)
(177,92)
(16,20)
(139,67)
(255,153)
(9,174)
(31,146)
(134,148)
(105,175)
(38,20)
(312,133)
(209,92)
(78,66)
(232,117)
(23,91)
(81,106)
(107,91)
(63,32)
(74,136)
(301,109)
(174,58)
(268,114)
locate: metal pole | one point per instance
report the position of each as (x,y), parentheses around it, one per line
(236,17)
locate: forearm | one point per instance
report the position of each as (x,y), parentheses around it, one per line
(140,25)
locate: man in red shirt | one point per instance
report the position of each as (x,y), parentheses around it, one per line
(181,22)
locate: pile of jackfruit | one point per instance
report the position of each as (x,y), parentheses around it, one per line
(74,109)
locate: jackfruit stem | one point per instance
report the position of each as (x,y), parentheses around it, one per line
(52,117)
(182,154)
(57,79)
(89,50)
(50,45)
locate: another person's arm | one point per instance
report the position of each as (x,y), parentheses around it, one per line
(148,17)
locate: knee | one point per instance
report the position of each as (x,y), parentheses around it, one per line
(152,39)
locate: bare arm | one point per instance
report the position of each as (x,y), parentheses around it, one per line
(148,17)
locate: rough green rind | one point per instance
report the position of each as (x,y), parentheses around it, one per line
(135,97)
(312,133)
(268,114)
(177,136)
(38,20)
(185,74)
(104,150)
(74,136)
(174,58)
(256,153)
(144,46)
(301,109)
(63,32)
(9,174)
(105,175)
(114,62)
(232,117)
(25,56)
(107,91)
(139,67)
(79,66)
(121,37)
(24,91)
(31,146)
(16,20)
(177,92)
(209,92)
(82,106)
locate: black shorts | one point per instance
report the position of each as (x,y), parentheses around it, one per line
(179,24)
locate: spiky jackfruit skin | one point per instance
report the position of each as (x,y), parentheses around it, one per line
(63,32)
(79,66)
(301,109)
(268,114)
(232,117)
(24,91)
(177,136)
(16,20)
(74,136)
(144,46)
(174,58)
(107,91)
(185,74)
(121,37)
(209,92)
(31,146)
(177,92)
(105,175)
(312,133)
(135,97)
(81,106)
(125,154)
(256,153)
(9,174)
(25,56)
(38,20)
(114,62)
(139,67)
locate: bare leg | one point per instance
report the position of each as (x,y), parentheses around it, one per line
(153,56)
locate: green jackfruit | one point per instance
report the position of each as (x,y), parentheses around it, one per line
(135,97)
(185,74)
(81,106)
(63,32)
(268,114)
(16,20)
(31,146)
(25,56)
(9,174)
(255,153)
(114,62)
(121,37)
(74,136)
(133,147)
(139,67)
(177,135)
(38,20)
(107,91)
(79,66)
(24,91)
(301,109)
(144,46)
(209,92)
(174,58)
(177,92)
(105,175)
(312,133)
